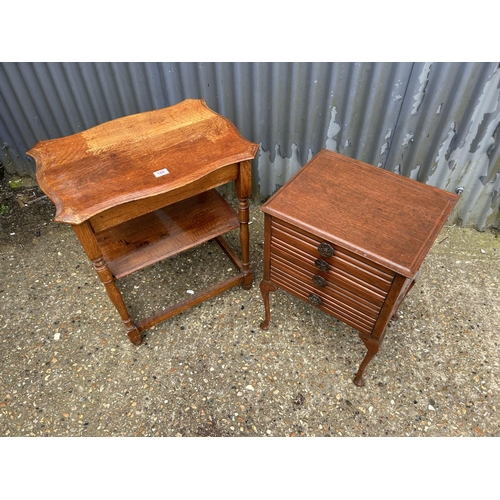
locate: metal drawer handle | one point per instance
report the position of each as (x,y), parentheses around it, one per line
(325,249)
(315,299)
(322,265)
(319,280)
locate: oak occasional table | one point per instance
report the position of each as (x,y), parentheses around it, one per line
(140,189)
(349,238)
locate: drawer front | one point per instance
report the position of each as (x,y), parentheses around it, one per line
(326,302)
(354,265)
(347,286)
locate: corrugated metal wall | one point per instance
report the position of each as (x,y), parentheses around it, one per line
(434,122)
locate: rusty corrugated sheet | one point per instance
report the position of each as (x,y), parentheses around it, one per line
(435,122)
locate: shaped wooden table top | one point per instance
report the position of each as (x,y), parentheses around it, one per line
(136,157)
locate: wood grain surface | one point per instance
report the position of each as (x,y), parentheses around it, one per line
(384,217)
(115,162)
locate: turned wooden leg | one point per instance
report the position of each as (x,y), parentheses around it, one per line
(115,295)
(245,244)
(243,187)
(372,345)
(89,243)
(265,288)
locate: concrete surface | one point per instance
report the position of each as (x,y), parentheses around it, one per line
(68,369)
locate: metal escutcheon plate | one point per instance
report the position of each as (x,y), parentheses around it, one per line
(315,299)
(322,265)
(319,280)
(325,249)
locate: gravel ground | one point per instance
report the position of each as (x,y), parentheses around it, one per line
(68,369)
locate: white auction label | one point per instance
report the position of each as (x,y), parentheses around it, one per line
(161,172)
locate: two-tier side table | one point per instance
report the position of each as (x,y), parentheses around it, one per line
(140,189)
(349,238)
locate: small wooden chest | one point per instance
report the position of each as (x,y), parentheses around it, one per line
(349,238)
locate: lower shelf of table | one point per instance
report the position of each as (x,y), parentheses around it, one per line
(156,236)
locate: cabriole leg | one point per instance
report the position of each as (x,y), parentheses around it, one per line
(265,288)
(372,345)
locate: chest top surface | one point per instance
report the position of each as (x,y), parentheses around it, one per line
(136,157)
(388,218)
